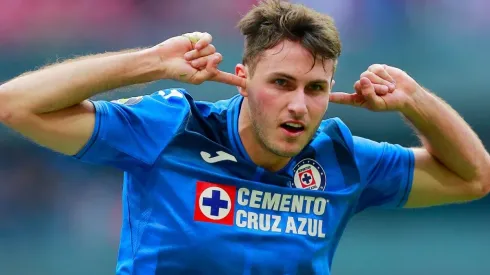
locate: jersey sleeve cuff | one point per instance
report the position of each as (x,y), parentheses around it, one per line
(99,111)
(406,186)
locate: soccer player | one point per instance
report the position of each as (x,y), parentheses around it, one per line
(258,183)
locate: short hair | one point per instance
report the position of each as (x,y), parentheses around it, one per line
(273,21)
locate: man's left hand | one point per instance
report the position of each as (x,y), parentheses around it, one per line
(380,88)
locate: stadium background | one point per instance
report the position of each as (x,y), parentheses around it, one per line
(58,216)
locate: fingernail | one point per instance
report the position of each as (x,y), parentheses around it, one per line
(392,86)
(188,55)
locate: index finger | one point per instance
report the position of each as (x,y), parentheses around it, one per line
(346,98)
(231,79)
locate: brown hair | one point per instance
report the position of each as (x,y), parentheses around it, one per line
(273,21)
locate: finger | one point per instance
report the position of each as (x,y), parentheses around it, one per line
(212,64)
(230,79)
(201,62)
(208,50)
(376,79)
(212,73)
(208,70)
(380,70)
(204,40)
(193,37)
(199,40)
(369,93)
(345,98)
(379,89)
(393,71)
(224,77)
(357,87)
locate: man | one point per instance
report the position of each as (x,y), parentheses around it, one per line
(256,184)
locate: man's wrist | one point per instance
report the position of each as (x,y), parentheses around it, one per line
(149,64)
(412,107)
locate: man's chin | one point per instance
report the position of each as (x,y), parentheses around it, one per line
(287,151)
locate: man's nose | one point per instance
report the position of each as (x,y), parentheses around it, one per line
(297,104)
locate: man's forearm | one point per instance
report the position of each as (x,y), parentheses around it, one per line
(62,85)
(447,136)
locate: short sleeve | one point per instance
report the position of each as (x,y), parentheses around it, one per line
(387,171)
(131,133)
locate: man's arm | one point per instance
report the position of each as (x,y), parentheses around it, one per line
(453,165)
(49,106)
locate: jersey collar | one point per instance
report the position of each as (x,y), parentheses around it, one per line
(232,124)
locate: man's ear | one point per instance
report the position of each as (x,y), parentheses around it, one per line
(242,71)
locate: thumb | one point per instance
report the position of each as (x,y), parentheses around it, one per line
(346,98)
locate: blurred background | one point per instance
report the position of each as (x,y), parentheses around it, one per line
(59,216)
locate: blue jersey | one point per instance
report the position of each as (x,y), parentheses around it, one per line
(195,203)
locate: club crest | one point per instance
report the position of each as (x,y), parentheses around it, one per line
(308,174)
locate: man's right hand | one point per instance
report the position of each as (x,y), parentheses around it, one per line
(49,106)
(193,59)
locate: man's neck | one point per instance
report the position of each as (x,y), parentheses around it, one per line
(255,149)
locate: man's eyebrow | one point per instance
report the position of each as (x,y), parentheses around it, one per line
(290,77)
(284,75)
(320,81)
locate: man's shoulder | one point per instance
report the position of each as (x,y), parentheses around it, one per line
(173,97)
(205,118)
(333,133)
(207,108)
(204,107)
(334,128)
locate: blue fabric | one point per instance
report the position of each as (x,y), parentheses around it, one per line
(194,202)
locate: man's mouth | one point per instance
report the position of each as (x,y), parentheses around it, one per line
(292,127)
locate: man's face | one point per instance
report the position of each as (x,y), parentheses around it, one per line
(287,98)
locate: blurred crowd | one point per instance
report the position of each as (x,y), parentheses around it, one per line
(46,196)
(27,20)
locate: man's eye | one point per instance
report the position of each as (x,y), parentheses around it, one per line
(317,87)
(280,82)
